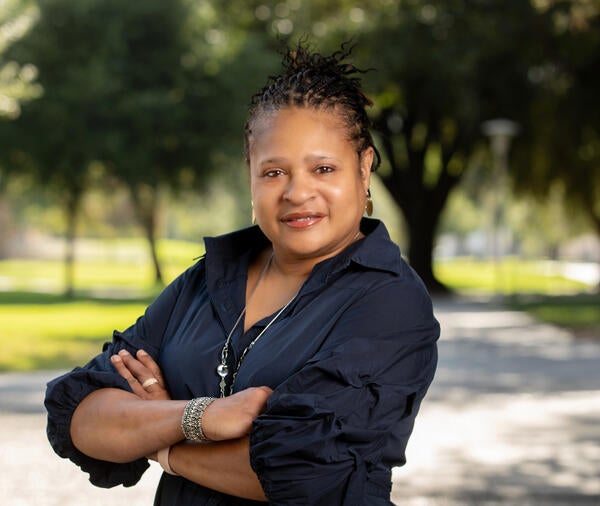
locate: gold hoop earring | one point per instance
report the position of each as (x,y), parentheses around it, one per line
(253,216)
(369,203)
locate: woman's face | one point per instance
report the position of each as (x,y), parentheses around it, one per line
(307,181)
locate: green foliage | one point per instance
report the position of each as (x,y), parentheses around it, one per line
(443,68)
(125,87)
(565,145)
(17,82)
(154,93)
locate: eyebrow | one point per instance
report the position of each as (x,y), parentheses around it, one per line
(309,158)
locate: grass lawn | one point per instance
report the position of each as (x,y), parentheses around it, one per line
(113,285)
(43,330)
(580,312)
(512,276)
(533,286)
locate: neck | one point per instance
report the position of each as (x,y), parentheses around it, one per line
(302,267)
(297,268)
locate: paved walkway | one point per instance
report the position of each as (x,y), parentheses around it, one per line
(513,418)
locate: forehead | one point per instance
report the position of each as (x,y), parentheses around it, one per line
(300,120)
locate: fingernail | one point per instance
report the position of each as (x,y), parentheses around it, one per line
(115,358)
(142,352)
(123,353)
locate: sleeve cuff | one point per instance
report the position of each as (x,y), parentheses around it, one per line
(62,397)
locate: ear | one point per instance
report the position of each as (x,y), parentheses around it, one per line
(366,163)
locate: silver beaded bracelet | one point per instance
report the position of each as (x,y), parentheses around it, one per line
(191,421)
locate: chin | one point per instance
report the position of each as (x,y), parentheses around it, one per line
(310,249)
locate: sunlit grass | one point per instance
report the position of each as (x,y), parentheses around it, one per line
(533,286)
(59,334)
(100,266)
(507,277)
(41,329)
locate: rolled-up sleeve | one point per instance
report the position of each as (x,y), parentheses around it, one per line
(64,393)
(332,430)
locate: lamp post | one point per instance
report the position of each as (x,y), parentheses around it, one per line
(500,132)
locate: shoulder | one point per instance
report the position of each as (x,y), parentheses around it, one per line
(186,283)
(189,276)
(391,303)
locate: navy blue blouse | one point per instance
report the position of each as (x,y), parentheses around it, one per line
(349,361)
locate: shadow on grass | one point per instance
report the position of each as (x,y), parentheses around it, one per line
(41,298)
(579,311)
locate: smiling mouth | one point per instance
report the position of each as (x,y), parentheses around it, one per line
(301,221)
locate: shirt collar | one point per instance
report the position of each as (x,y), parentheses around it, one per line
(375,251)
(228,255)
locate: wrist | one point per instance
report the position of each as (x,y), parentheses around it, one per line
(191,421)
(163,459)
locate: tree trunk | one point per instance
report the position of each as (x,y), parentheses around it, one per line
(421,210)
(421,237)
(5,227)
(71,211)
(590,208)
(421,203)
(596,222)
(150,236)
(145,203)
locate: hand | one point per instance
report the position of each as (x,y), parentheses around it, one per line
(231,417)
(138,369)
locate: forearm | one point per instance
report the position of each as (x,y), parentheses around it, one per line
(117,426)
(223,466)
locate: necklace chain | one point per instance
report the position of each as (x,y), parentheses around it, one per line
(223,368)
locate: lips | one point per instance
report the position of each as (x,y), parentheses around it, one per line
(300,220)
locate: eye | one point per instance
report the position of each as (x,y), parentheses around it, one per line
(272,173)
(324,169)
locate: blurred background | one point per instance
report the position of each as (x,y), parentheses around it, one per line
(121,127)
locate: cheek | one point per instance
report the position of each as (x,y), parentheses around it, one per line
(256,187)
(348,196)
(264,198)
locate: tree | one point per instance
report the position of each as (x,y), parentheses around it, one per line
(176,109)
(142,87)
(17,85)
(565,145)
(443,68)
(147,121)
(53,138)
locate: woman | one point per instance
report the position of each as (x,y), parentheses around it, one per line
(289,363)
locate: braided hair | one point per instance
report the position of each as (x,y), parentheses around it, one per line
(312,80)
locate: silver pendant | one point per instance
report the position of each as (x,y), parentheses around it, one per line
(222,370)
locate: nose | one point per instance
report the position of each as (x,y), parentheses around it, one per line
(299,189)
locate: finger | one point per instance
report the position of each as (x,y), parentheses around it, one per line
(151,365)
(143,374)
(123,371)
(137,368)
(266,390)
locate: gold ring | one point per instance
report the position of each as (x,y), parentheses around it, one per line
(149,381)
